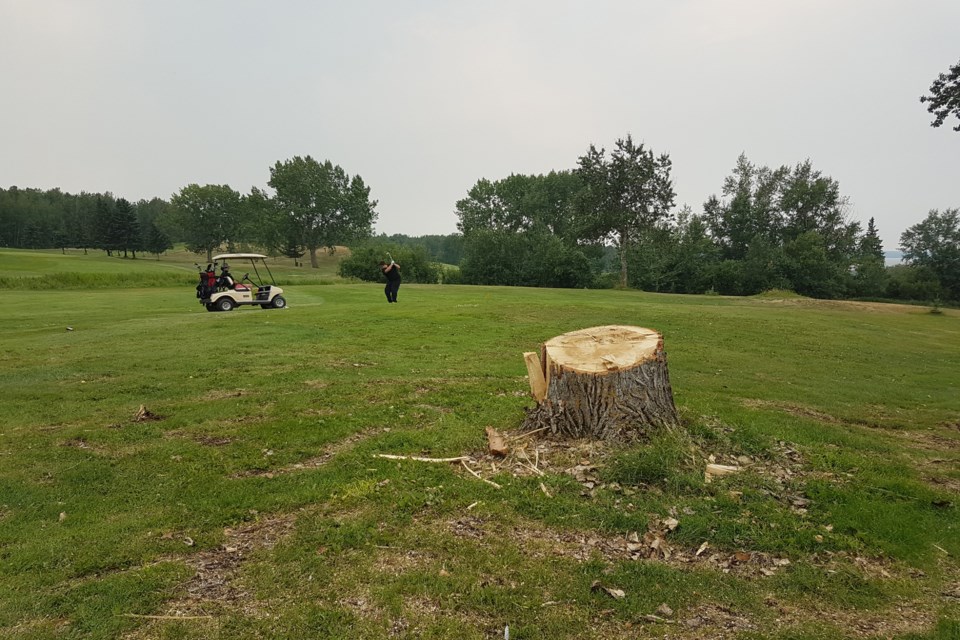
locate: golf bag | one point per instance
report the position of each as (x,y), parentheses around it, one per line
(208,282)
(225,281)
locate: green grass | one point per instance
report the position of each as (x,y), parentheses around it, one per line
(851,409)
(73,269)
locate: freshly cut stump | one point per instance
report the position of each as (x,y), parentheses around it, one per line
(608,383)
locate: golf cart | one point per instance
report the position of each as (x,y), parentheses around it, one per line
(223,292)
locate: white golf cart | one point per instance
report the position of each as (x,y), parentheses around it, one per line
(224,293)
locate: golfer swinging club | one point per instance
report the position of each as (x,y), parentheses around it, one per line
(392,272)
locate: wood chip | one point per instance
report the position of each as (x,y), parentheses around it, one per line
(496,444)
(717,470)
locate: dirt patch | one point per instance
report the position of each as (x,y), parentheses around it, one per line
(652,544)
(905,618)
(793,409)
(220,394)
(79,442)
(396,561)
(329,452)
(214,441)
(930,440)
(530,456)
(812,414)
(214,586)
(844,305)
(707,622)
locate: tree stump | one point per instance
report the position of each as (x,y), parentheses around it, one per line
(608,383)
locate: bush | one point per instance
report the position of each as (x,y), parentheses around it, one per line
(414,262)
(527,259)
(908,282)
(450,275)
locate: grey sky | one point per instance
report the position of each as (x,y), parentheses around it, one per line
(423,98)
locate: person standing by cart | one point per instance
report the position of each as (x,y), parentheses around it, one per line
(392,273)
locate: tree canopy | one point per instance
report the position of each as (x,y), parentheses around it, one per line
(208,215)
(935,244)
(320,205)
(624,194)
(944,98)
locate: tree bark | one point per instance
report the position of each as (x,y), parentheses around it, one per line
(608,383)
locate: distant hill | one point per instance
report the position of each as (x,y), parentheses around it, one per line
(891,258)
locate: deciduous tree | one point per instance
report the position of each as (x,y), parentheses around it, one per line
(320,205)
(935,243)
(208,215)
(944,98)
(629,191)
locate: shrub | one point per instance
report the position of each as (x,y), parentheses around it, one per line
(414,262)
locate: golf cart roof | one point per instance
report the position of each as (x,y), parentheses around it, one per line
(231,256)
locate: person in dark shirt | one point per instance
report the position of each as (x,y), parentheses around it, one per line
(392,272)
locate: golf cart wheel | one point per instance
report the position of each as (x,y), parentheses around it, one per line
(224,304)
(278,302)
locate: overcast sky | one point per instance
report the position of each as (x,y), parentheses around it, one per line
(422,98)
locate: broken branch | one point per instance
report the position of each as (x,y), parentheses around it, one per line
(137,615)
(419,458)
(478,476)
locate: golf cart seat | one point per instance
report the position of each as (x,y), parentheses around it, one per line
(240,287)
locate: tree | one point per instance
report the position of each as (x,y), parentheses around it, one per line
(810,201)
(944,98)
(870,271)
(935,243)
(626,193)
(677,258)
(785,227)
(521,203)
(106,233)
(207,216)
(154,239)
(126,228)
(320,204)
(751,209)
(809,269)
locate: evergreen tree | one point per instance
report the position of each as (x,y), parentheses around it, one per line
(155,240)
(126,228)
(869,271)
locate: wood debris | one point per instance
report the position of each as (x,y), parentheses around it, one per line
(144,415)
(496,444)
(389,456)
(718,470)
(616,594)
(478,476)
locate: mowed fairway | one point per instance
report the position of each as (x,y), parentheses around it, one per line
(254,506)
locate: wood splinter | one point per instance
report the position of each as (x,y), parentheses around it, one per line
(420,458)
(496,444)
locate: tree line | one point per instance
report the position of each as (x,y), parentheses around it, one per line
(38,219)
(610,221)
(314,205)
(783,227)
